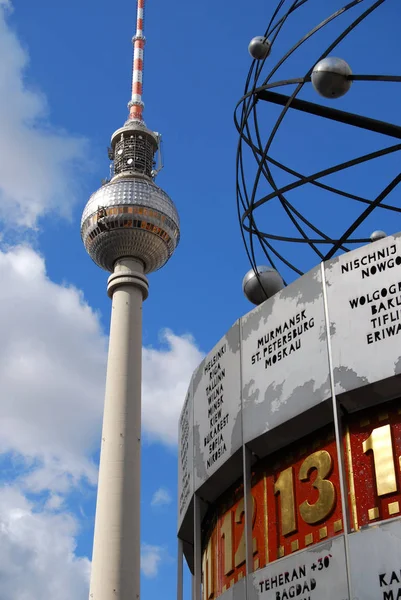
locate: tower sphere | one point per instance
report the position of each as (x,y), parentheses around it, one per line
(259,47)
(330,77)
(130,216)
(270,279)
(377,235)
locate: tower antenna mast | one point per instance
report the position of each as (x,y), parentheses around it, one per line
(136,104)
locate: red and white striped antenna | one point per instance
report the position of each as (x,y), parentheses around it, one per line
(136,104)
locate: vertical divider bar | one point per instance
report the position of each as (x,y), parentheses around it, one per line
(180,573)
(338,437)
(196,590)
(246,454)
(192,468)
(246,478)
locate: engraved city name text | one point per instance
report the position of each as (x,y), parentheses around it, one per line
(384,306)
(391,579)
(215,373)
(373,262)
(283,340)
(184,446)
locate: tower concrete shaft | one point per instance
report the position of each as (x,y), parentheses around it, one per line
(116,547)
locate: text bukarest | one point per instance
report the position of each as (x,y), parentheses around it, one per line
(216,430)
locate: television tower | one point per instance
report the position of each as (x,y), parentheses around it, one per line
(130,227)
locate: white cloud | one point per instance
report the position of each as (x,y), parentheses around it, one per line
(54,502)
(151,557)
(37,161)
(37,552)
(52,369)
(161,497)
(166,376)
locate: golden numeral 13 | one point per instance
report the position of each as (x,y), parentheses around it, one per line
(310,513)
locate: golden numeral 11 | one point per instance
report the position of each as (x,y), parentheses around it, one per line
(379,442)
(285,487)
(208,571)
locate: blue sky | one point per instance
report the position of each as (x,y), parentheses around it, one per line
(64,85)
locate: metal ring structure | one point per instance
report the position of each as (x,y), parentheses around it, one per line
(266,189)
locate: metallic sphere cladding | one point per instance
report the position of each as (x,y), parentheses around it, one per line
(330,77)
(377,235)
(130,216)
(269,278)
(259,47)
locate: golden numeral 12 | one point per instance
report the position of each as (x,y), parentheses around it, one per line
(240,554)
(227,535)
(230,561)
